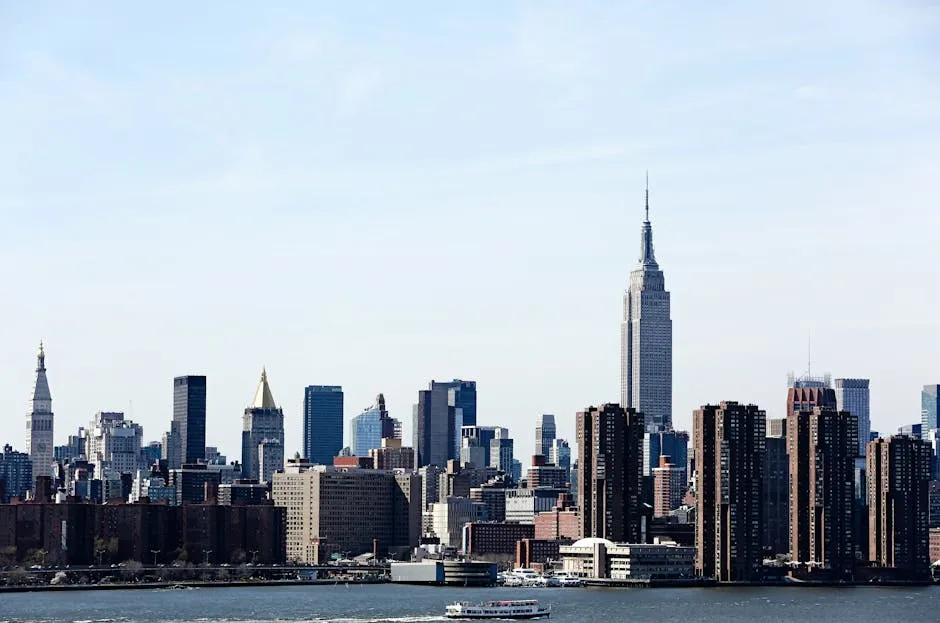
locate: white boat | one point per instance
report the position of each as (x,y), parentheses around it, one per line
(565,579)
(519,609)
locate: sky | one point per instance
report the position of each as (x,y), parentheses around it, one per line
(378,194)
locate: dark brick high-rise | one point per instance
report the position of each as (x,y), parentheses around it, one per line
(729,459)
(610,475)
(898,500)
(821,445)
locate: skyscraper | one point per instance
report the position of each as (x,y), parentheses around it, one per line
(439,416)
(821,445)
(16,474)
(39,421)
(544,434)
(729,460)
(323,423)
(852,395)
(367,429)
(189,414)
(898,513)
(646,339)
(501,453)
(610,475)
(929,409)
(112,444)
(262,423)
(560,454)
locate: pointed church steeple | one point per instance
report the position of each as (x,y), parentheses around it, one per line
(263,397)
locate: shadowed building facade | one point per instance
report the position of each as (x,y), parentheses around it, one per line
(898,503)
(821,445)
(610,447)
(729,459)
(439,417)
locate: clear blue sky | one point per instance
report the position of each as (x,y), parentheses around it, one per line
(375,194)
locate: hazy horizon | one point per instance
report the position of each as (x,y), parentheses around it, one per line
(372,196)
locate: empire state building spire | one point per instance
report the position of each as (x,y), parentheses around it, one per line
(647,254)
(646,337)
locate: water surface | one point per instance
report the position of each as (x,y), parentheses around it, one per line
(413,604)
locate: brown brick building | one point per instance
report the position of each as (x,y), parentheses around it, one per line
(610,474)
(76,533)
(561,522)
(821,446)
(898,521)
(482,538)
(729,460)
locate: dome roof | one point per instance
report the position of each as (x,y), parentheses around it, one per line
(591,541)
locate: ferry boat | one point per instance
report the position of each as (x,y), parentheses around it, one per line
(518,609)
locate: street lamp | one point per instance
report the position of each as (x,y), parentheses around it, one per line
(254,555)
(154,552)
(207,552)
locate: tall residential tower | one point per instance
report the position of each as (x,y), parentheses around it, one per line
(646,338)
(39,444)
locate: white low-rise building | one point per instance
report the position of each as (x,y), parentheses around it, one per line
(597,558)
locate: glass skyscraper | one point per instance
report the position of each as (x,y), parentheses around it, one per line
(674,444)
(852,395)
(545,434)
(646,339)
(367,429)
(929,409)
(439,416)
(189,415)
(323,423)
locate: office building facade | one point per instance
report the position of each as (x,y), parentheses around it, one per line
(929,409)
(646,339)
(729,461)
(852,395)
(545,434)
(189,415)
(16,475)
(369,428)
(439,417)
(323,423)
(610,451)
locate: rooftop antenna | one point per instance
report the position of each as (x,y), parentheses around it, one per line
(809,355)
(647,195)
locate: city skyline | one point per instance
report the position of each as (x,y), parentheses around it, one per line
(410,246)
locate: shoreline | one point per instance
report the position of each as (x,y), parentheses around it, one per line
(610,584)
(183,585)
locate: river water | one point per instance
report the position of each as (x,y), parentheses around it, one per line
(406,604)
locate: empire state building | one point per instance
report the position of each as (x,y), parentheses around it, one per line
(646,338)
